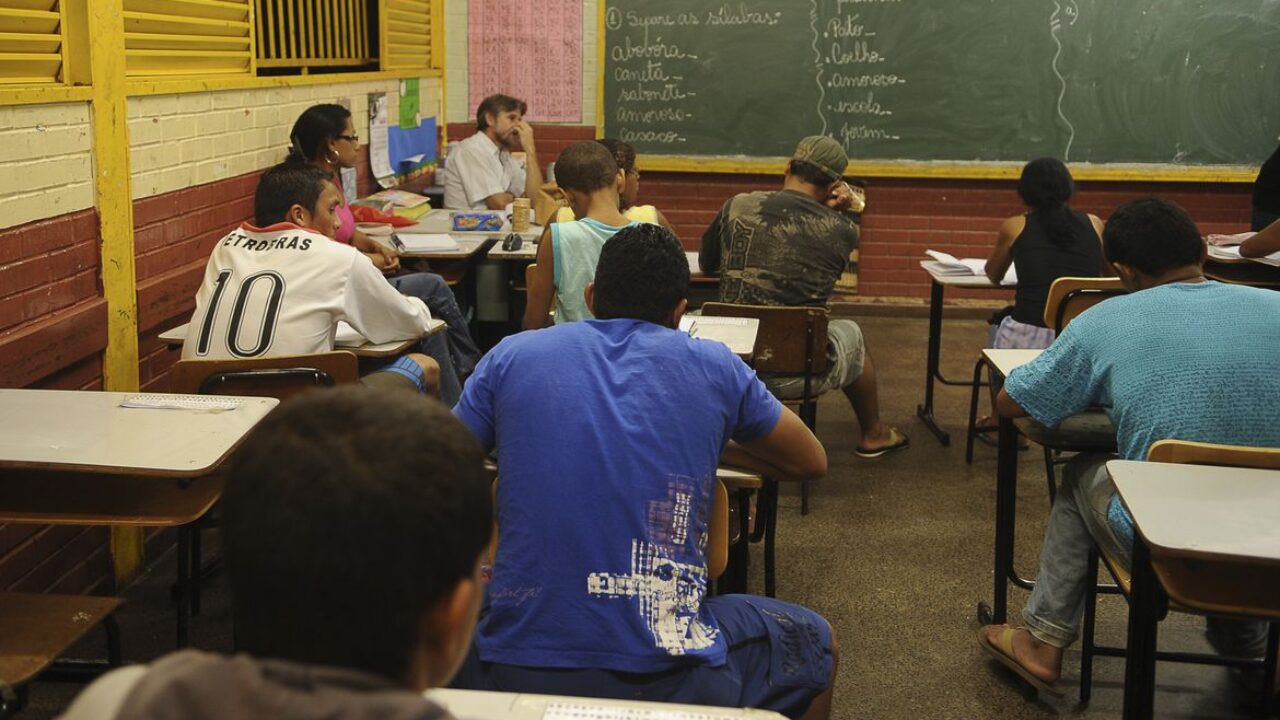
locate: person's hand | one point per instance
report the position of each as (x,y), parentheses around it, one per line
(844,198)
(382,262)
(390,261)
(524,132)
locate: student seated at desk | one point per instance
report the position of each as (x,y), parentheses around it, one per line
(629,192)
(1046,243)
(480,173)
(280,287)
(789,248)
(609,432)
(352,528)
(589,177)
(323,136)
(1179,357)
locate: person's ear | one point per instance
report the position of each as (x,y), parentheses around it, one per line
(1128,276)
(589,294)
(299,216)
(444,635)
(678,312)
(620,183)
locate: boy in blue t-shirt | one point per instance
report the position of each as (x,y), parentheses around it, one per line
(608,433)
(1155,359)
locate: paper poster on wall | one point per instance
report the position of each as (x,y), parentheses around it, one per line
(379,160)
(530,50)
(410,104)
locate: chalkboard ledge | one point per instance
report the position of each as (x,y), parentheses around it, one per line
(955,170)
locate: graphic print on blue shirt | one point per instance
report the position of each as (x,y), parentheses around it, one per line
(668,577)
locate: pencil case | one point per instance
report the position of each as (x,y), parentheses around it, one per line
(477,221)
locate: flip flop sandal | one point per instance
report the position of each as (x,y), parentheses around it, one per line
(897,441)
(1004,654)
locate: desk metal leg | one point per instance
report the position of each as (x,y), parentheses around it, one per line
(1145,601)
(925,411)
(1006,505)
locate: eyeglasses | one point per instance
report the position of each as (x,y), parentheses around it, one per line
(351,138)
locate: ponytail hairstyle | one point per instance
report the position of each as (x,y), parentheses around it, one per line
(315,127)
(1045,187)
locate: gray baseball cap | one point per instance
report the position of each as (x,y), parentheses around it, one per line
(825,153)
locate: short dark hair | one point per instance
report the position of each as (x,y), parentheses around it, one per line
(586,166)
(623,153)
(642,274)
(807,172)
(347,514)
(313,130)
(498,104)
(282,187)
(1152,236)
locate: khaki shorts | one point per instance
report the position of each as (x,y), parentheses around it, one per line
(846,351)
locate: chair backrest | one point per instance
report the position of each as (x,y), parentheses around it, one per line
(791,340)
(717,530)
(1198,453)
(1070,296)
(277,377)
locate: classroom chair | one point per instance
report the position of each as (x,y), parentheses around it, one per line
(1090,431)
(277,377)
(38,629)
(792,340)
(1195,588)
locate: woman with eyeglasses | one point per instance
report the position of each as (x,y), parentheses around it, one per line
(324,136)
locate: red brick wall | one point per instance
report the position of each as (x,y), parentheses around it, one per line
(905,216)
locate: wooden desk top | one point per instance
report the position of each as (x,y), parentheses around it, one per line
(89,432)
(345,338)
(1006,360)
(1203,510)
(441,221)
(968,281)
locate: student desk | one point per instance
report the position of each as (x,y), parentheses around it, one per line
(939,282)
(480,705)
(1004,362)
(696,276)
(346,339)
(739,334)
(1209,529)
(78,458)
(1242,272)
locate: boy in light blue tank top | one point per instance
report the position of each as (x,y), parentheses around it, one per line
(568,252)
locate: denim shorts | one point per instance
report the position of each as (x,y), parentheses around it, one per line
(779,658)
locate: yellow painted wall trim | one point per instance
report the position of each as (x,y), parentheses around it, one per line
(115,215)
(44,94)
(958,171)
(237,82)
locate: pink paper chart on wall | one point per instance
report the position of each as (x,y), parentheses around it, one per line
(529,50)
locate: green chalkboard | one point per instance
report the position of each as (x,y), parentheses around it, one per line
(1163,82)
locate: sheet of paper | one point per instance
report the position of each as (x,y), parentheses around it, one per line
(531,50)
(379,157)
(1236,239)
(952,265)
(427,242)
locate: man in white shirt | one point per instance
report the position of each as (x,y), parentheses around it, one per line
(480,173)
(280,286)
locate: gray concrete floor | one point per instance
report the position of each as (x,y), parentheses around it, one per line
(896,553)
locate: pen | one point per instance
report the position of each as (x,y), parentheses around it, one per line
(395,242)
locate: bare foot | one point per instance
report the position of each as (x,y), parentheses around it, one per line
(1038,658)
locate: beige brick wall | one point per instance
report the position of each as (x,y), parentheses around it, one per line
(455,27)
(45,165)
(190,139)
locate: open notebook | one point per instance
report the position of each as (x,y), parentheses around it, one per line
(952,265)
(1227,247)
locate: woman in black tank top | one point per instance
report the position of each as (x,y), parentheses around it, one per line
(1048,242)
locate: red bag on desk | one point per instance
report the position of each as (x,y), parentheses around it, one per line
(366,214)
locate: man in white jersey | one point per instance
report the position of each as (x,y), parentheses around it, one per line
(480,173)
(279,287)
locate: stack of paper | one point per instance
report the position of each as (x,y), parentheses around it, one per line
(427,242)
(951,265)
(1232,253)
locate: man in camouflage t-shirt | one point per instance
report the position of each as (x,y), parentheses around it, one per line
(788,248)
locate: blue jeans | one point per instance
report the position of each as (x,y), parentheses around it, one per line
(455,351)
(1078,519)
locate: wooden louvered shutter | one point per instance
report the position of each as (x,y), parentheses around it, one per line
(169,38)
(32,40)
(406,33)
